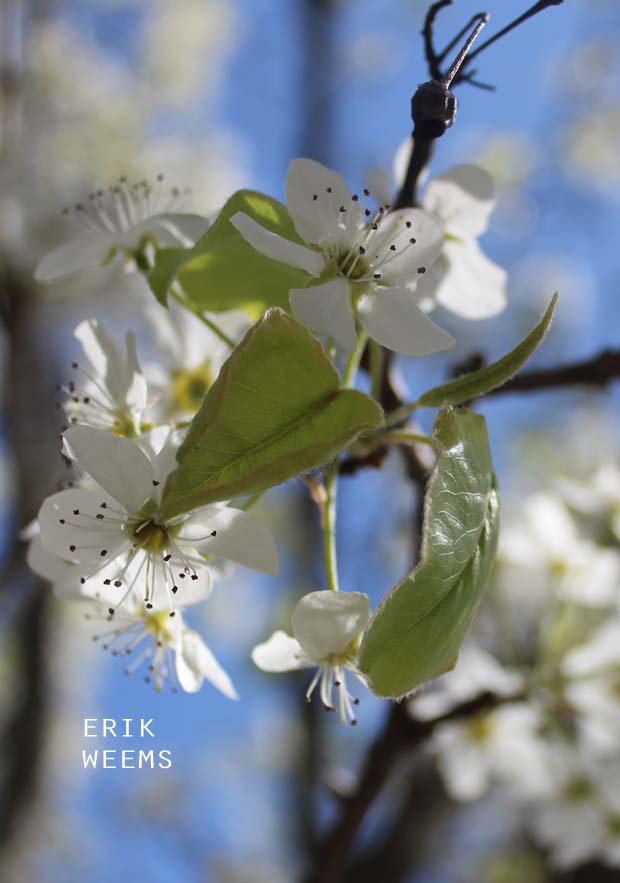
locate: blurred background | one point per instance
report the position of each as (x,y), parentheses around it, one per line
(218,94)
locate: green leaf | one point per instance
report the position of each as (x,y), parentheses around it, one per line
(417,631)
(480,382)
(222,271)
(276,410)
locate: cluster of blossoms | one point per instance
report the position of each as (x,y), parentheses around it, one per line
(106,540)
(550,740)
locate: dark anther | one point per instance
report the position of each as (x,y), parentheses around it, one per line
(107,582)
(103,553)
(72,548)
(61,521)
(111,611)
(213,533)
(76,511)
(118,583)
(421,270)
(99,516)
(155,483)
(167,557)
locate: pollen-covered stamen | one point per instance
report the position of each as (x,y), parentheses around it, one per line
(88,401)
(326,678)
(125,205)
(345,700)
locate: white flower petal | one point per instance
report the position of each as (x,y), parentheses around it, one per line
(135,390)
(315,196)
(381,184)
(64,574)
(69,519)
(280,653)
(405,245)
(471,285)
(239,537)
(277,247)
(116,463)
(393,319)
(195,662)
(326,309)
(462,198)
(100,349)
(326,622)
(400,162)
(85,252)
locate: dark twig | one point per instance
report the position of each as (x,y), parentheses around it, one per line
(433,60)
(401,735)
(530,13)
(598,371)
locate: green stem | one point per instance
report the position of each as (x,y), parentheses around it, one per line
(403,438)
(400,414)
(253,500)
(329,526)
(350,372)
(331,479)
(200,315)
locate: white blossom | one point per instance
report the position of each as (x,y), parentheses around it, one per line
(593,688)
(598,497)
(501,745)
(110,391)
(359,263)
(327,626)
(125,221)
(463,279)
(547,546)
(476,672)
(166,648)
(117,538)
(189,356)
(578,819)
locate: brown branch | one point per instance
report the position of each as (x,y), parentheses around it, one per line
(400,736)
(599,371)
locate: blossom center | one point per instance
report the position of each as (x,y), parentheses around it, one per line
(189,387)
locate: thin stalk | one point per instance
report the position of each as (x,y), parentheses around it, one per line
(329,526)
(180,298)
(253,500)
(331,479)
(350,372)
(403,438)
(534,10)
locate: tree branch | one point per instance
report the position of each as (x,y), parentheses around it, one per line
(599,371)
(401,735)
